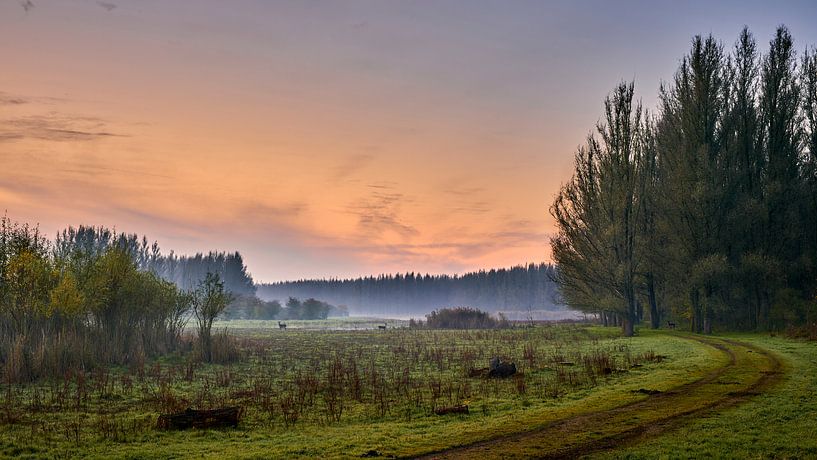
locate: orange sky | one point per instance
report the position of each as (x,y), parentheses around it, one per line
(319,139)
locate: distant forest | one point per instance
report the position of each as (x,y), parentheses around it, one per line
(519,288)
(185,271)
(516,288)
(705,213)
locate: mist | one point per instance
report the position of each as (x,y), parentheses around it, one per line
(527,290)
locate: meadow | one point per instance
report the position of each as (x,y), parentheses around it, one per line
(341,389)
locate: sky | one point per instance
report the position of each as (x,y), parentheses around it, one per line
(329,138)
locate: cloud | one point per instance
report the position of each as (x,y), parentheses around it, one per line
(169,223)
(97,170)
(449,251)
(383,185)
(518,237)
(55,127)
(107,6)
(11,99)
(265,212)
(8,99)
(462,200)
(350,166)
(27,5)
(380,213)
(471,207)
(464,191)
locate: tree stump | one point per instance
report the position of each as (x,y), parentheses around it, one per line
(501,369)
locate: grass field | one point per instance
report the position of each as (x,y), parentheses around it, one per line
(779,423)
(341,392)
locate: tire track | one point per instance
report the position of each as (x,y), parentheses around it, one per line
(684,397)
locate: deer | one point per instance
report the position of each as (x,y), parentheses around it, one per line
(670,325)
(383,327)
(281,325)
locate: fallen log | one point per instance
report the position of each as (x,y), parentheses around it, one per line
(191,418)
(462,409)
(482,372)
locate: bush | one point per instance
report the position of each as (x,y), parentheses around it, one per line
(251,307)
(463,318)
(309,309)
(69,306)
(338,311)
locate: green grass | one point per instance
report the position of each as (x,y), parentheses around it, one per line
(408,427)
(780,423)
(349,323)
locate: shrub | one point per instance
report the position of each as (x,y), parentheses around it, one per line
(308,309)
(463,318)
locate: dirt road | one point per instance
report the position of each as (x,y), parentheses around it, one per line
(748,372)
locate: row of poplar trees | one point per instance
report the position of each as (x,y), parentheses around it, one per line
(704,214)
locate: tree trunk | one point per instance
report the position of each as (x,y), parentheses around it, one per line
(707,324)
(707,316)
(655,318)
(628,327)
(206,345)
(695,324)
(630,315)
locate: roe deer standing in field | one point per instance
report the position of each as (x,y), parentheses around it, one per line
(281,325)
(670,325)
(383,327)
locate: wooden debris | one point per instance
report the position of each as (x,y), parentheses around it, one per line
(191,418)
(481,372)
(462,409)
(647,391)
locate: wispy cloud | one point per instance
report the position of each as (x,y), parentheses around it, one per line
(380,212)
(19,99)
(466,200)
(94,170)
(107,5)
(8,99)
(453,250)
(471,207)
(382,185)
(464,191)
(56,127)
(350,166)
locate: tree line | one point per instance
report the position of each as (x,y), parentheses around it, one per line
(704,213)
(184,271)
(92,297)
(251,307)
(517,288)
